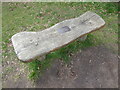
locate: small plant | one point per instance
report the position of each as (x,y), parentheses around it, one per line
(34,68)
(39,14)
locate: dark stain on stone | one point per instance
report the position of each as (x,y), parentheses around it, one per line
(63,29)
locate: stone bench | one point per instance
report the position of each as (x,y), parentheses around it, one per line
(30,45)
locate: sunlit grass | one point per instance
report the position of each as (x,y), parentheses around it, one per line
(19,17)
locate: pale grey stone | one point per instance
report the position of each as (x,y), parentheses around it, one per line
(29,45)
(63,29)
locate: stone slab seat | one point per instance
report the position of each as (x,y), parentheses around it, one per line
(30,45)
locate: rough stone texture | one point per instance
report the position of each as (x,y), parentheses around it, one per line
(29,45)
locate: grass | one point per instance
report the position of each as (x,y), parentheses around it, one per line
(63,54)
(26,16)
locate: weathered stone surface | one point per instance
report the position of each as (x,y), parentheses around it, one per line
(63,29)
(29,45)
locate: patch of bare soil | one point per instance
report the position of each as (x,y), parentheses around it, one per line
(93,67)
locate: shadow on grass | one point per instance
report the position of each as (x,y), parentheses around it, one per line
(37,68)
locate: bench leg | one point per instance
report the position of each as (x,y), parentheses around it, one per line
(41,58)
(83,38)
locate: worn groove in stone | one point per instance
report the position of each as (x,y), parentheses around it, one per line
(29,45)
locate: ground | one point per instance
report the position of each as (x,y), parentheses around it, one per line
(93,64)
(93,67)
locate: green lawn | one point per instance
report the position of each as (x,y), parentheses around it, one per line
(17,17)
